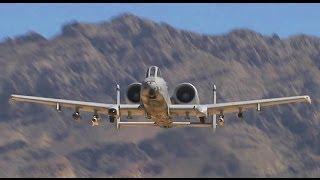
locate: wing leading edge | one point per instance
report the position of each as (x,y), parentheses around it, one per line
(190,110)
(101,108)
(211,109)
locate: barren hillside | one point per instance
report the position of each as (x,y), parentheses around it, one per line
(85,61)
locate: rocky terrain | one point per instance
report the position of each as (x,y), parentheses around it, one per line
(85,61)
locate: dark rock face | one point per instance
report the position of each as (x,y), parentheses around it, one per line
(86,60)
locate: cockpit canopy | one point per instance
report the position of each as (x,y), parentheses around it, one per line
(153,71)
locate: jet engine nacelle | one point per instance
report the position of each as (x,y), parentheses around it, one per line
(133,92)
(185,93)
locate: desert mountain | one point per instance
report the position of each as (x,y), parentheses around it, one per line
(85,61)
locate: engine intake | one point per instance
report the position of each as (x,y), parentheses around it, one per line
(133,92)
(185,93)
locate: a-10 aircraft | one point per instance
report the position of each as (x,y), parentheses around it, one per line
(151,99)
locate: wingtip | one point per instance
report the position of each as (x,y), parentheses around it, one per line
(11,99)
(14,97)
(308,99)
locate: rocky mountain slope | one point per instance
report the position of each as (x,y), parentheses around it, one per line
(85,61)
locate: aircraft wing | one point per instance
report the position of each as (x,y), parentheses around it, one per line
(100,108)
(211,109)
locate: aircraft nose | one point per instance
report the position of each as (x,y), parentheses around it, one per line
(152,93)
(152,90)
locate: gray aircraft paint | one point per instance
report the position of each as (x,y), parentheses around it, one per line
(156,108)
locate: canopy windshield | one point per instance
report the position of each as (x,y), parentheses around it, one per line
(153,71)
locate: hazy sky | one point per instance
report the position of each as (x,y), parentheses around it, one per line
(283,19)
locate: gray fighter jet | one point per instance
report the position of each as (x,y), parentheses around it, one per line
(151,99)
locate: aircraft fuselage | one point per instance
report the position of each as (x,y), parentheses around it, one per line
(155,99)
